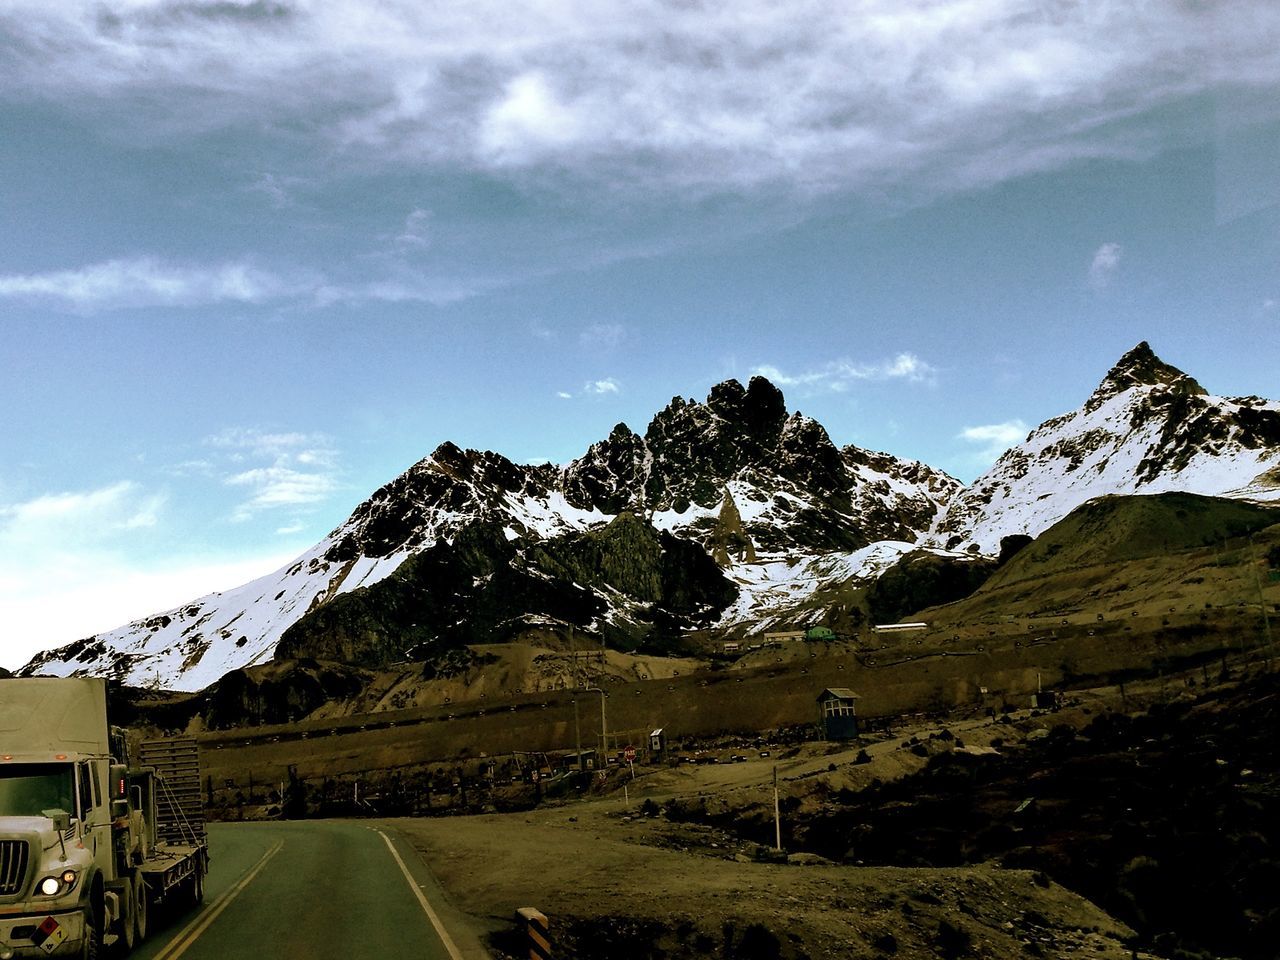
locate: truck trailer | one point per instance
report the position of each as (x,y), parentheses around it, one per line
(89,842)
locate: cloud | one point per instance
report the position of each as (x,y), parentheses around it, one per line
(151,282)
(81,518)
(70,567)
(1106,259)
(144,282)
(601,388)
(993,439)
(414,232)
(943,95)
(279,189)
(563,395)
(602,337)
(277,470)
(1269,305)
(839,375)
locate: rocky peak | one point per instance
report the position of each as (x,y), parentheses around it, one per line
(1141,367)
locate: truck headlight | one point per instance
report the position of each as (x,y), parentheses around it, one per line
(55,886)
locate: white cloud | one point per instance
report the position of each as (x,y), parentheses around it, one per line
(993,439)
(144,282)
(1269,305)
(1106,259)
(602,337)
(84,518)
(414,231)
(563,395)
(292,469)
(600,388)
(839,375)
(941,94)
(69,567)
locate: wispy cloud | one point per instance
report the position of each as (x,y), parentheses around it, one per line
(82,517)
(602,337)
(945,94)
(1106,260)
(144,282)
(839,375)
(71,565)
(277,469)
(993,439)
(414,232)
(604,387)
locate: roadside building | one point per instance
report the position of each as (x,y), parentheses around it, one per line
(837,713)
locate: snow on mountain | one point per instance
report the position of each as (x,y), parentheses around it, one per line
(782,510)
(736,474)
(1148,428)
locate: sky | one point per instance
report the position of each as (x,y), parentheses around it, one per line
(257,258)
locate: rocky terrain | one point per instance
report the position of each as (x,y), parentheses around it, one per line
(1147,428)
(724,518)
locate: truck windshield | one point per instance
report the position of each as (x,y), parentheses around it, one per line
(28,789)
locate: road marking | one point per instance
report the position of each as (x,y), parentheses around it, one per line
(426,907)
(179,944)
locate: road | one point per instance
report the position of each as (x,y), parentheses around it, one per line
(317,890)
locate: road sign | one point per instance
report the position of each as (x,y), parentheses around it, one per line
(629,754)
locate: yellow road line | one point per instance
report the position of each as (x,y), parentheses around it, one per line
(426,907)
(179,944)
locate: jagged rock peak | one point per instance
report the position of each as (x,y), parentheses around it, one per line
(1141,367)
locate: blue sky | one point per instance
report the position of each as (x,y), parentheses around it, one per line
(259,257)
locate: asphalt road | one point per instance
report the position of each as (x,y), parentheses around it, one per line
(316,889)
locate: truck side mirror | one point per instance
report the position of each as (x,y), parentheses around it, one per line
(61,819)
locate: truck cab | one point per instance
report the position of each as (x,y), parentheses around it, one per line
(77,827)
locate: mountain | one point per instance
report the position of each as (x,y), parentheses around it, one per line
(1147,428)
(721,513)
(731,515)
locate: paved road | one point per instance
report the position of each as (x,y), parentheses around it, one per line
(316,890)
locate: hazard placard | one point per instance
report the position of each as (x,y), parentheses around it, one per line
(49,935)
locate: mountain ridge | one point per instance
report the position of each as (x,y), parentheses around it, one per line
(779,512)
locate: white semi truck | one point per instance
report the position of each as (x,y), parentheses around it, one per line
(89,843)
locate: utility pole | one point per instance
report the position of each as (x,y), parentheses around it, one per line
(777,813)
(577,732)
(604,734)
(1262,602)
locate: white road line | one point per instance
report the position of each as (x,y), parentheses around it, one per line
(426,907)
(179,944)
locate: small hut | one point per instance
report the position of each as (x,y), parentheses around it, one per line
(837,714)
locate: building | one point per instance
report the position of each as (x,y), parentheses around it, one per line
(837,714)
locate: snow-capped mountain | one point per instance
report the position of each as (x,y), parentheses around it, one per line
(1147,428)
(729,512)
(765,492)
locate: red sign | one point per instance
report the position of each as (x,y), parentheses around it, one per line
(628,754)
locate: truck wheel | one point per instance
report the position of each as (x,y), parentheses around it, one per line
(125,925)
(141,908)
(91,940)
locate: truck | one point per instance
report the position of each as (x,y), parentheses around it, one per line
(90,842)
